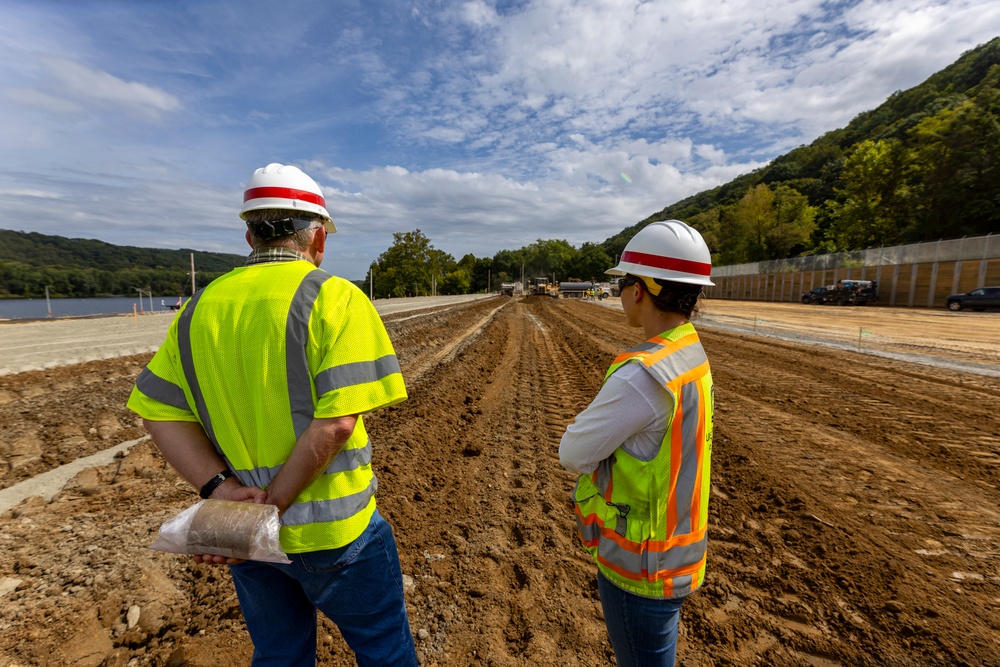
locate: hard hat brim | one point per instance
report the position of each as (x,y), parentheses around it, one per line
(659,274)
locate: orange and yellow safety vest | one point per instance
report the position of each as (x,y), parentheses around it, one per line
(645,522)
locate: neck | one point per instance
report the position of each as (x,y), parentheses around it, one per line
(657,321)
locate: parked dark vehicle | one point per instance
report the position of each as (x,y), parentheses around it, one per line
(817,295)
(852,293)
(845,293)
(977,300)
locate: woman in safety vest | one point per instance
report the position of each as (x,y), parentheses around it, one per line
(643,448)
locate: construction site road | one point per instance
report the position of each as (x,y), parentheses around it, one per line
(853,518)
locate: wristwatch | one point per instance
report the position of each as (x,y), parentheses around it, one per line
(213,483)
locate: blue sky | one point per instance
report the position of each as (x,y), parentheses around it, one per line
(487,125)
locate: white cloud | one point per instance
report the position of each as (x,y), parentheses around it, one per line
(486,125)
(83,83)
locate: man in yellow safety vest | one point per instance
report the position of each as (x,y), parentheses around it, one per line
(257,395)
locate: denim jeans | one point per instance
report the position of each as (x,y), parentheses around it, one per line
(643,631)
(359,587)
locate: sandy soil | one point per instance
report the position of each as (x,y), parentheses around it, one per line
(853,518)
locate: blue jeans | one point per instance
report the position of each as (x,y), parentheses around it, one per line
(643,631)
(359,587)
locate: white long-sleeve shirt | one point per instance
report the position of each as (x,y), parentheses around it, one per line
(630,411)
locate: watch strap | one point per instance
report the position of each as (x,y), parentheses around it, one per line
(212,484)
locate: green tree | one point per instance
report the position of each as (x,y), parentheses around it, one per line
(958,158)
(874,205)
(794,222)
(548,258)
(590,262)
(409,266)
(456,282)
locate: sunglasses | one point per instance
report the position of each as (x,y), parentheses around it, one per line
(625,281)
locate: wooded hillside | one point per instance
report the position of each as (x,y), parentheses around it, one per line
(84,268)
(925,165)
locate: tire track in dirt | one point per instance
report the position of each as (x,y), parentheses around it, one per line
(851,511)
(498,541)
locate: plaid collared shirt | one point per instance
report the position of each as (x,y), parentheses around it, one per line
(265,255)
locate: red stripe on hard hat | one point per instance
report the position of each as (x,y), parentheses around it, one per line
(668,263)
(284,193)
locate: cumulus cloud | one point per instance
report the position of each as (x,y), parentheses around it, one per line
(486,125)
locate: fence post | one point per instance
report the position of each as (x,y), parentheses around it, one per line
(983,263)
(956,275)
(895,282)
(934,274)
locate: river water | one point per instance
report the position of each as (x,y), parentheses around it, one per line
(21,309)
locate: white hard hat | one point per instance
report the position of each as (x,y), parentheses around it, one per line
(287,187)
(668,250)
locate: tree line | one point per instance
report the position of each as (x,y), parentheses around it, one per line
(30,262)
(923,166)
(412,266)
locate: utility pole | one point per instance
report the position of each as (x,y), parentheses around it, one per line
(192,274)
(48,304)
(371,283)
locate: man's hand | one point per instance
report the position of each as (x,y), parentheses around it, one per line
(231,489)
(216,560)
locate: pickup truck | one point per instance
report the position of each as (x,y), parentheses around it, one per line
(817,295)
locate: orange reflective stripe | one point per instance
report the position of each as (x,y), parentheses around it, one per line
(678,541)
(692,375)
(699,445)
(669,347)
(676,456)
(660,575)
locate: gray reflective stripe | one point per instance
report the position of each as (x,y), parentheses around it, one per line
(679,362)
(337,509)
(358,372)
(300,396)
(350,459)
(652,561)
(347,459)
(690,401)
(604,474)
(187,364)
(682,585)
(164,391)
(588,533)
(676,557)
(644,347)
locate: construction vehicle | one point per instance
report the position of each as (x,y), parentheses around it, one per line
(506,289)
(575,289)
(540,287)
(852,293)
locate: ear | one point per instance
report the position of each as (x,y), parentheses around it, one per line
(249,241)
(319,239)
(640,289)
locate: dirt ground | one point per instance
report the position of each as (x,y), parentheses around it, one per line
(853,519)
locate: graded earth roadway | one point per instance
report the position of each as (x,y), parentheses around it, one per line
(853,518)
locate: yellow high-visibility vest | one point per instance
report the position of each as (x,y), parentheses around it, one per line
(258,354)
(645,522)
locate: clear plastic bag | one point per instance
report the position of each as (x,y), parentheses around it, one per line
(248,531)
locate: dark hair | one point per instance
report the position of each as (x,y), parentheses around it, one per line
(677,297)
